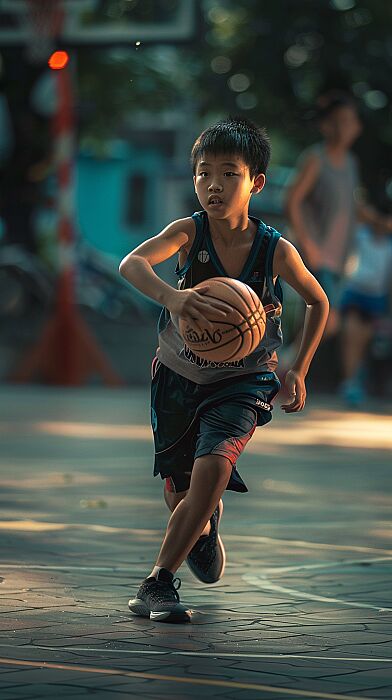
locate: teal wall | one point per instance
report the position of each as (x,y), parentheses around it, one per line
(102,191)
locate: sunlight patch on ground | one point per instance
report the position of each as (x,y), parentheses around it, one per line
(45,480)
(40,526)
(102,431)
(283,487)
(387,534)
(358,430)
(31,525)
(334,428)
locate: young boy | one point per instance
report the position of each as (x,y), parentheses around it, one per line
(204,413)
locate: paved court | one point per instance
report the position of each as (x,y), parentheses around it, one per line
(303,611)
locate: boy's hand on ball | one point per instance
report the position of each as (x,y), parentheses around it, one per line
(295,385)
(192,306)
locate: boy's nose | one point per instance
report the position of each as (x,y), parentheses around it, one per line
(214,187)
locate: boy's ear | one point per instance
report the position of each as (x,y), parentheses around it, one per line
(258,183)
(194,182)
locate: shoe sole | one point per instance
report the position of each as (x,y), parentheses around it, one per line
(222,549)
(138,607)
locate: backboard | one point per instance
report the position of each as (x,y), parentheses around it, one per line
(100,22)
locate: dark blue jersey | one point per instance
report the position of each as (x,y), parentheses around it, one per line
(203,263)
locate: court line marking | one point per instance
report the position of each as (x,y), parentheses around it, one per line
(319,565)
(209,654)
(179,679)
(234,564)
(306,544)
(265,584)
(258,539)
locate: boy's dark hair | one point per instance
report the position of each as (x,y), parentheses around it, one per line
(332,100)
(238,136)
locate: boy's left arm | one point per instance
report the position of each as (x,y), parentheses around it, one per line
(289,266)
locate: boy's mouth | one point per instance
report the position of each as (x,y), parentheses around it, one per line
(214,201)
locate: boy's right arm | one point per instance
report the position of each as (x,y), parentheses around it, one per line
(137,266)
(302,185)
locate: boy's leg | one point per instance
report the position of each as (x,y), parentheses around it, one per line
(157,597)
(357,333)
(172,499)
(210,476)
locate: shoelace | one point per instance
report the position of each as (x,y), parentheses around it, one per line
(162,591)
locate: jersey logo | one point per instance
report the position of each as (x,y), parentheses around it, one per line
(199,362)
(269,308)
(203,256)
(263,404)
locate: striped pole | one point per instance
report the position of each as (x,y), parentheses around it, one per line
(67,353)
(64,158)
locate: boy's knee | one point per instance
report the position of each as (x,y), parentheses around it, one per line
(213,469)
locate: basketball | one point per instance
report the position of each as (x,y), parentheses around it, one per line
(235,336)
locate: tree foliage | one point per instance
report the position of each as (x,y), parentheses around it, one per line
(269,60)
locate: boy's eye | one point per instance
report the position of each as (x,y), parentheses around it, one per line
(230,173)
(203,173)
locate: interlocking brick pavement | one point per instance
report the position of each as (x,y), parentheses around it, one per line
(304,609)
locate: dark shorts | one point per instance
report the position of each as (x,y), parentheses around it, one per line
(368,308)
(192,420)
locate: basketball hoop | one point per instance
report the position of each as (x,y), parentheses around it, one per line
(45,20)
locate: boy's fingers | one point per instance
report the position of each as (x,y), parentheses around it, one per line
(288,405)
(200,322)
(194,324)
(198,313)
(296,405)
(215,303)
(291,408)
(292,398)
(207,323)
(218,312)
(217,308)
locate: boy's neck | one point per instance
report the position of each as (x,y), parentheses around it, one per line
(233,228)
(337,151)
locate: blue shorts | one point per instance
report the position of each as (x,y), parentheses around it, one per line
(367,306)
(192,420)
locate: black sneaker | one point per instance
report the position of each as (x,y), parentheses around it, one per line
(207,559)
(157,598)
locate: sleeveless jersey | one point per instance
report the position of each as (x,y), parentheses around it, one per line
(203,263)
(329,209)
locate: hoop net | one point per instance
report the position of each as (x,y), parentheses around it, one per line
(45,19)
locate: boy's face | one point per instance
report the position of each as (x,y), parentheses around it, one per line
(342,127)
(223,184)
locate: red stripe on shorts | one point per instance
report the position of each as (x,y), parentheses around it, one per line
(169,485)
